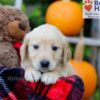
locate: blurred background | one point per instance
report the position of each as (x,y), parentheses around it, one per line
(36,11)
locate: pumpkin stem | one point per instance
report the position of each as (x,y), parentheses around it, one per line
(79,50)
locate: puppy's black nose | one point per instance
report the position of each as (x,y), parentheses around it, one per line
(44,63)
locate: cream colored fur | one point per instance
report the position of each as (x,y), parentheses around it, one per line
(45,36)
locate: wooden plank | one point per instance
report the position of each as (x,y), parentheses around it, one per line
(98,55)
(98,64)
(95,32)
(18,4)
(88,41)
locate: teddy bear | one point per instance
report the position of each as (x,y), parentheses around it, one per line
(14,24)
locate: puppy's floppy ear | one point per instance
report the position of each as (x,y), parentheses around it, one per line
(66,52)
(24,51)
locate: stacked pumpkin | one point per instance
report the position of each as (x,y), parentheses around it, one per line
(85,70)
(67,16)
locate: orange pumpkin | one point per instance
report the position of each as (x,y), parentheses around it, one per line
(88,74)
(66,15)
(85,70)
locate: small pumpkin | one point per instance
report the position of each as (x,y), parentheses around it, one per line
(85,70)
(66,15)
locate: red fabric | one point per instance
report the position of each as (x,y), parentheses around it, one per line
(12,96)
(60,90)
(66,88)
(17,46)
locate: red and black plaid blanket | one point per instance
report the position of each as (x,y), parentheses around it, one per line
(13,86)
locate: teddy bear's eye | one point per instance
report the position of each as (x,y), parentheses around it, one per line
(55,48)
(36,46)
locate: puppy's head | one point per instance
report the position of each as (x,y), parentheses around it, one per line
(44,49)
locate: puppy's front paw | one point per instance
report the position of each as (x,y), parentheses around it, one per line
(32,75)
(50,78)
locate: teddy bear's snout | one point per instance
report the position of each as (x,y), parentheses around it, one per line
(22,26)
(17,29)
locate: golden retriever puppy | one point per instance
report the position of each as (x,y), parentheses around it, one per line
(45,54)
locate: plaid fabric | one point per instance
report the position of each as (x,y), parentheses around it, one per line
(13,86)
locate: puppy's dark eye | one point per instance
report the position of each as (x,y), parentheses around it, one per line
(54,48)
(36,46)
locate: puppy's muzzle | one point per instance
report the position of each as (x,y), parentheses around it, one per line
(44,64)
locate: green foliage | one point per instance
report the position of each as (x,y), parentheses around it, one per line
(7,2)
(87,52)
(37,15)
(81,4)
(96,95)
(23,7)
(30,2)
